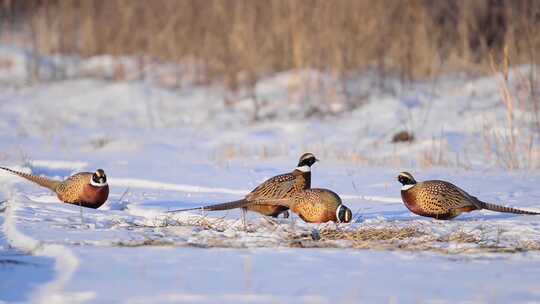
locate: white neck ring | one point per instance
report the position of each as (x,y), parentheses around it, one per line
(337,213)
(407,187)
(304,168)
(93,183)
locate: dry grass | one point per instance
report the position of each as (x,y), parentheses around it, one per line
(369,234)
(378,238)
(241,40)
(513,147)
(204,222)
(146,242)
(215,224)
(410,238)
(413,237)
(235,43)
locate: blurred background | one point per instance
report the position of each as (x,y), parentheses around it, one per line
(240,41)
(249,62)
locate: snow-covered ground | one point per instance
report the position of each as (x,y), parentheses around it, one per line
(170,148)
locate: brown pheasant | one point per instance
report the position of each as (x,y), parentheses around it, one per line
(86,189)
(277,187)
(316,206)
(443,200)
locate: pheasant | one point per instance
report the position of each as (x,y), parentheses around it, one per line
(316,206)
(443,200)
(277,187)
(85,189)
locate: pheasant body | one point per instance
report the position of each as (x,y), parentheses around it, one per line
(78,190)
(437,199)
(316,206)
(86,189)
(443,200)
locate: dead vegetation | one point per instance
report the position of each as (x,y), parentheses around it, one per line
(215,224)
(413,238)
(203,232)
(510,144)
(364,235)
(236,43)
(146,242)
(241,40)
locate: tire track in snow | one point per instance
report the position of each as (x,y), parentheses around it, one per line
(66,263)
(149,184)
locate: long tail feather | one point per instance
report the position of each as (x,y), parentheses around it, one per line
(216,207)
(42,181)
(504,209)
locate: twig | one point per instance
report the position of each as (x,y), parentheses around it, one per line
(356,216)
(354,186)
(122,196)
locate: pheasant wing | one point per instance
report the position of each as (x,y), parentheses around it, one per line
(70,189)
(285,202)
(279,186)
(453,196)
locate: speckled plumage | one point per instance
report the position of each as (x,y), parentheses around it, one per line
(76,189)
(438,199)
(443,200)
(315,206)
(278,187)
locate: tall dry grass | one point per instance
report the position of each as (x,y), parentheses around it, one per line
(241,40)
(237,42)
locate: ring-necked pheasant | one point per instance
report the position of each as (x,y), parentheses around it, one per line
(443,200)
(86,189)
(316,206)
(277,187)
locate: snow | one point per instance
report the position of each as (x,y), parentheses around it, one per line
(21,274)
(65,262)
(165,149)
